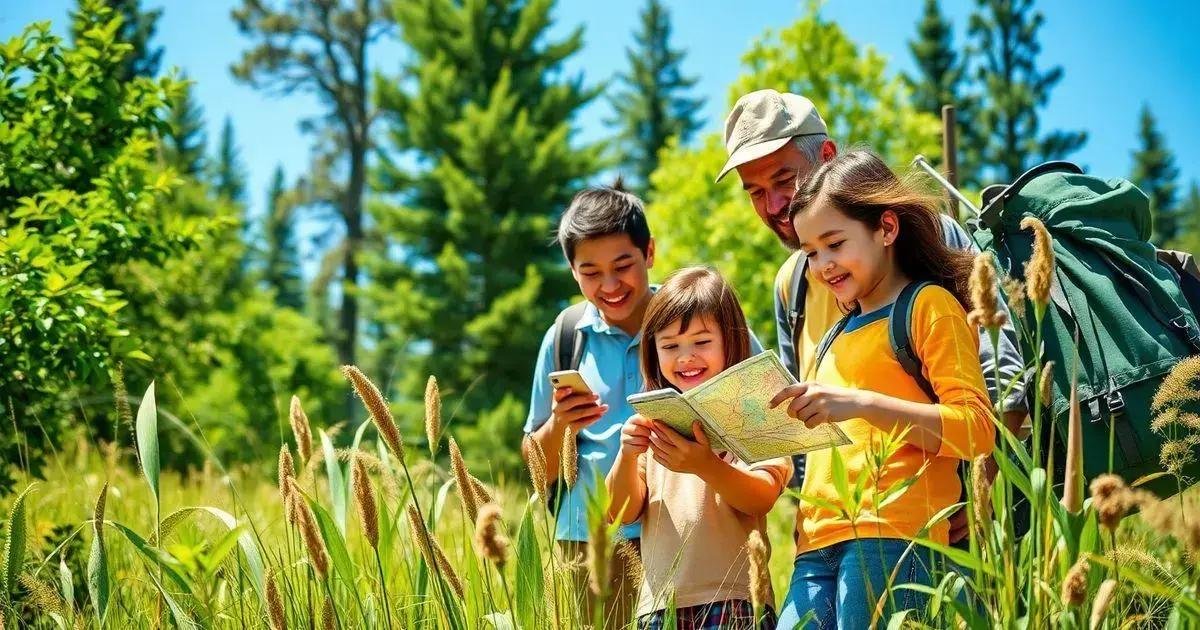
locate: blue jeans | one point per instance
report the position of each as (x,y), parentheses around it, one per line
(841,584)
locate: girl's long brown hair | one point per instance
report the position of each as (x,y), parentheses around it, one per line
(686,294)
(860,185)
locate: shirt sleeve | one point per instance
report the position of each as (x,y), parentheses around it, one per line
(780,469)
(1007,357)
(949,352)
(541,395)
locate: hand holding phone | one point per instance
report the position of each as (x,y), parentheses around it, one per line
(575,404)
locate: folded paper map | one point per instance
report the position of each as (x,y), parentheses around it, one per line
(732,408)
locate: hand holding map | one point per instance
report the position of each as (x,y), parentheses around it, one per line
(734,409)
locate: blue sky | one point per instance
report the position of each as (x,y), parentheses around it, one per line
(1116,56)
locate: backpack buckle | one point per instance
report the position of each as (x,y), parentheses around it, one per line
(1180,322)
(1115,401)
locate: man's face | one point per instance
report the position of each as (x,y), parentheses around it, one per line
(771,181)
(614,275)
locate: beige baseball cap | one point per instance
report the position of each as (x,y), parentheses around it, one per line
(763,121)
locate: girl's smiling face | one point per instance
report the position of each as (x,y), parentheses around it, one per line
(847,255)
(690,357)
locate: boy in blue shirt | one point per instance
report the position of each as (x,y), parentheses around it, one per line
(606,240)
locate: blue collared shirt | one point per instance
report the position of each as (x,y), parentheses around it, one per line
(610,364)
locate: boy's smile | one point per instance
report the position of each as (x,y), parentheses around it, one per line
(614,275)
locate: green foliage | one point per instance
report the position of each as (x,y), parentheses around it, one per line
(654,106)
(1154,171)
(281,267)
(183,141)
(464,290)
(1011,90)
(80,199)
(1188,239)
(228,173)
(697,221)
(137,27)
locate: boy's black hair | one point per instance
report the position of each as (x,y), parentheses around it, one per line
(603,211)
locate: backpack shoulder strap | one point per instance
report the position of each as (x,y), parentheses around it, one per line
(900,336)
(826,343)
(568,339)
(793,288)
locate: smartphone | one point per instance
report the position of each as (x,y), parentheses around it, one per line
(571,379)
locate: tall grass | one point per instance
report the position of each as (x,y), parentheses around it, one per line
(370,537)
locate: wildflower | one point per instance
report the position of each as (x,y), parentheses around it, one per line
(433,414)
(1074,587)
(1039,273)
(364,496)
(983,295)
(1104,599)
(462,479)
(301,429)
(760,573)
(491,543)
(569,458)
(377,407)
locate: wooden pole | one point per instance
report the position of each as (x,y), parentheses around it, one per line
(950,155)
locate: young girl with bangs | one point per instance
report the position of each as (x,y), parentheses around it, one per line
(697,506)
(868,234)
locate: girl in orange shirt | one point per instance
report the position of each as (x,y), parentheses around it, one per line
(868,235)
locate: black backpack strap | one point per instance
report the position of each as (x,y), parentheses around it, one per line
(568,339)
(995,196)
(797,291)
(900,336)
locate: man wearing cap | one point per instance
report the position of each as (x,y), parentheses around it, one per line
(775,140)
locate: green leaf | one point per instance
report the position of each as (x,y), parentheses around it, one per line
(529,600)
(97,569)
(67,584)
(337,481)
(147,438)
(334,542)
(254,560)
(153,557)
(14,543)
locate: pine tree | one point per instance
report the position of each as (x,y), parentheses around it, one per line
(484,109)
(1188,238)
(323,47)
(1154,171)
(183,142)
(137,27)
(282,268)
(228,176)
(939,70)
(654,107)
(1012,90)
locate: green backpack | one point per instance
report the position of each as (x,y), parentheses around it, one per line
(1126,303)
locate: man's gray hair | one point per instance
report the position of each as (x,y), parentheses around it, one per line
(809,146)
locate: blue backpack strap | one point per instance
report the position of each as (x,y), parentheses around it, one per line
(568,338)
(831,335)
(900,336)
(797,291)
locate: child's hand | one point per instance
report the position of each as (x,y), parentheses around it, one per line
(815,404)
(635,435)
(681,454)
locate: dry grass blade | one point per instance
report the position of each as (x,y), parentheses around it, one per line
(301,429)
(1073,478)
(381,414)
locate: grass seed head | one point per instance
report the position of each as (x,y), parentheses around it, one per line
(981,489)
(433,414)
(307,524)
(537,469)
(43,597)
(598,561)
(1104,599)
(984,297)
(1039,273)
(301,429)
(275,604)
(448,572)
(1074,587)
(760,572)
(482,495)
(632,560)
(328,617)
(490,540)
(568,460)
(364,496)
(462,479)
(1111,499)
(381,414)
(1046,385)
(1014,289)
